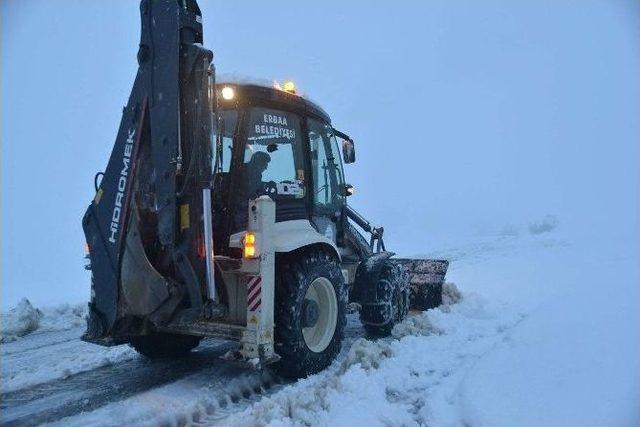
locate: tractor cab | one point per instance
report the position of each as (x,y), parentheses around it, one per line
(273,142)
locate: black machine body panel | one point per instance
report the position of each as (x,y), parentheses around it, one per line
(160,162)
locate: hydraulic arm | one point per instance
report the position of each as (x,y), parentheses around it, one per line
(144,227)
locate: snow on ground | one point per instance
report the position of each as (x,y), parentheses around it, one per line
(575,359)
(547,333)
(19,321)
(63,317)
(25,319)
(410,379)
(24,329)
(561,367)
(188,400)
(23,365)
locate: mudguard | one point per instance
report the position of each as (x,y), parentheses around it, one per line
(292,235)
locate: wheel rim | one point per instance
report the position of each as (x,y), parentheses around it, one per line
(318,336)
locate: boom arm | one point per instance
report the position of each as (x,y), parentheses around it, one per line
(160,163)
(376,232)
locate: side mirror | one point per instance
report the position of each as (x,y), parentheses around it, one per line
(348,190)
(348,151)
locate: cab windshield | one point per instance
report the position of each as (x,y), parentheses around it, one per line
(272,163)
(258,151)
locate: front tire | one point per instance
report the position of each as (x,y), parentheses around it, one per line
(164,346)
(392,302)
(310,312)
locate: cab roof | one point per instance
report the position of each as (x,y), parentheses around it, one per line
(262,93)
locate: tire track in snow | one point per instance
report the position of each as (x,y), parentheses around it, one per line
(89,390)
(38,340)
(410,379)
(204,390)
(207,396)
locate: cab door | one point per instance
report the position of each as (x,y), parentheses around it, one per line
(327,192)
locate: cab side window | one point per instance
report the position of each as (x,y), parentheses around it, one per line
(328,181)
(226,127)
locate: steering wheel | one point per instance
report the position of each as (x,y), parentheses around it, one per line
(270,188)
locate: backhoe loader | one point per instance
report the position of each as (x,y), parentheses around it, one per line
(223,212)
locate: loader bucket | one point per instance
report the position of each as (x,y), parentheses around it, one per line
(426,277)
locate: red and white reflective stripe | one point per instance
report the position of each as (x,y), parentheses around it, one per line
(254,293)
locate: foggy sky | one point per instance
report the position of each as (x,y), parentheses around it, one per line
(469,116)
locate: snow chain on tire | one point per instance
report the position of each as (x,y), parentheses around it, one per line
(295,274)
(392,291)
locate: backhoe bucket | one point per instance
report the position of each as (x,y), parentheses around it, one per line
(426,277)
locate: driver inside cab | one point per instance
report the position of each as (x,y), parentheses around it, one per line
(252,174)
(250,185)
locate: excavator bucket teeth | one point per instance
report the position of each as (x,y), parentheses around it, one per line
(426,277)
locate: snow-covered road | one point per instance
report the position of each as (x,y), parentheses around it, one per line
(546,329)
(48,382)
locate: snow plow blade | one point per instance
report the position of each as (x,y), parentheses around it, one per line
(426,277)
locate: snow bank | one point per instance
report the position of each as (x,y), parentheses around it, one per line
(545,225)
(450,294)
(19,321)
(389,381)
(25,319)
(63,317)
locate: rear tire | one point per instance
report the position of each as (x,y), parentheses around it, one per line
(310,312)
(163,346)
(392,291)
